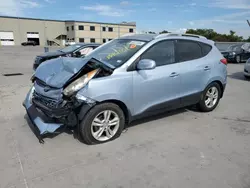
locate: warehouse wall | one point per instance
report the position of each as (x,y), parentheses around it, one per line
(46,29)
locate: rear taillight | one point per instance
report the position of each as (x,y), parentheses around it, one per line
(224,61)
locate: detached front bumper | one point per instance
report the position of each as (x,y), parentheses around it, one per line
(40,123)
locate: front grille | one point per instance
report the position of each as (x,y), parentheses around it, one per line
(48,102)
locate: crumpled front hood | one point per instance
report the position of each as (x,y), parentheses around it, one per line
(56,72)
(51,54)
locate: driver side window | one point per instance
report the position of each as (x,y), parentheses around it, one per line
(163,53)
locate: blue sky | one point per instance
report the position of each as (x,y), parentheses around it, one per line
(150,15)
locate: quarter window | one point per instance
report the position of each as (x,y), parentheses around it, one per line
(205,48)
(188,50)
(162,53)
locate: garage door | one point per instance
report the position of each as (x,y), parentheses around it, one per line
(33,36)
(7,38)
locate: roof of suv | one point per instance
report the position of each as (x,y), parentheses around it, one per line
(149,37)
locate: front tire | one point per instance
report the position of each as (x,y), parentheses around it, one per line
(103,123)
(238,59)
(210,97)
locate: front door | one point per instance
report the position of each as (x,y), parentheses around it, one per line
(159,88)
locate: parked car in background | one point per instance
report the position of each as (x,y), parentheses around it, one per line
(76,50)
(125,79)
(29,43)
(247,69)
(235,53)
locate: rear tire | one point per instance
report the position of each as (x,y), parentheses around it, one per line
(96,129)
(210,97)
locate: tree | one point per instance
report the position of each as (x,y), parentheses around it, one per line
(248,40)
(164,31)
(212,35)
(151,32)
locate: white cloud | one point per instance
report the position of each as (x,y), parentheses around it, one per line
(230,4)
(49,1)
(106,10)
(234,18)
(192,4)
(16,7)
(191,23)
(124,3)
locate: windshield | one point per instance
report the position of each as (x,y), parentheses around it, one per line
(234,48)
(117,51)
(70,48)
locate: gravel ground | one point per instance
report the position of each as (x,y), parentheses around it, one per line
(183,148)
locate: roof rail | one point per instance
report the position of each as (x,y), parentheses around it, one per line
(178,34)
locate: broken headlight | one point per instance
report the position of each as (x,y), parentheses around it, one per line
(79,83)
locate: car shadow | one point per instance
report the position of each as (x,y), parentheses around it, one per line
(238,76)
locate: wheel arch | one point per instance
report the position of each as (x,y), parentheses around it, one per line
(220,84)
(123,107)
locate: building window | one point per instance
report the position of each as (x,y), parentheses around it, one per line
(103,28)
(81,27)
(67,28)
(73,39)
(110,39)
(103,40)
(81,39)
(72,27)
(92,40)
(92,28)
(131,30)
(110,29)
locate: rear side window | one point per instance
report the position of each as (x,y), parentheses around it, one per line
(162,53)
(205,48)
(188,50)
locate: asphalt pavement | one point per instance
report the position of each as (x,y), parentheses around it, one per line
(184,148)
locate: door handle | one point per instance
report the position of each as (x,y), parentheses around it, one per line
(174,74)
(206,68)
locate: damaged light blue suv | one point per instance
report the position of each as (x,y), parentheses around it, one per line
(125,79)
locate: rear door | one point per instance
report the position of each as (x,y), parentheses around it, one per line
(158,88)
(195,69)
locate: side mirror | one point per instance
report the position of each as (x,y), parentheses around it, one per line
(146,64)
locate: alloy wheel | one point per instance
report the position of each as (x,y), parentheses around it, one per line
(105,125)
(211,97)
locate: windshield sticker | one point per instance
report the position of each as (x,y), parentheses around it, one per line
(117,52)
(132,46)
(137,43)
